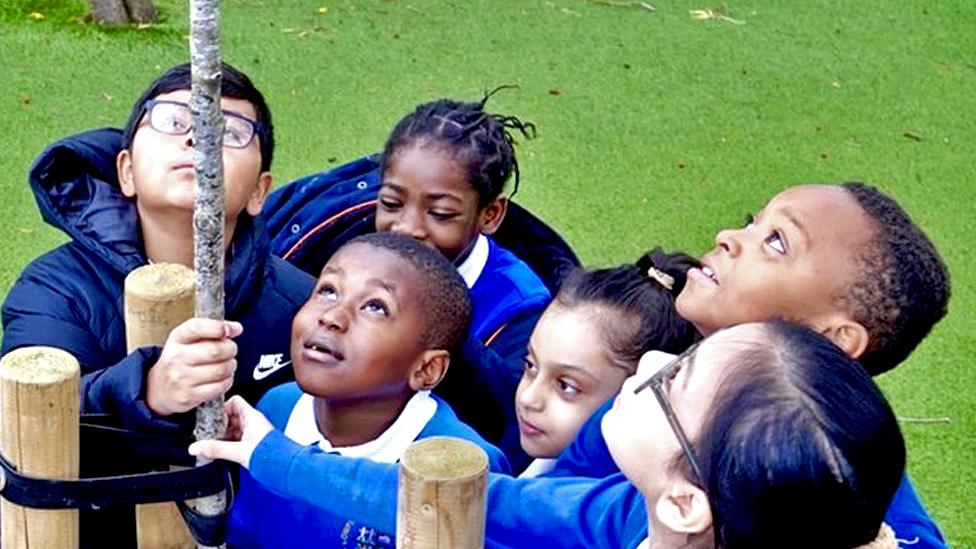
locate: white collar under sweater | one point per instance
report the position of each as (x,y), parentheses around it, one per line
(470,269)
(386,448)
(538,467)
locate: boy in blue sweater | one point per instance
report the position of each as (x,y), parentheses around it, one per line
(368,346)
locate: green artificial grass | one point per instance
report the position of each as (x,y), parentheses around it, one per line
(654,128)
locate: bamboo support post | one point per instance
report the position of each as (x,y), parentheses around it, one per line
(158,297)
(441,499)
(39,434)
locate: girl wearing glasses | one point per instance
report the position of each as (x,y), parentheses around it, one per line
(765,435)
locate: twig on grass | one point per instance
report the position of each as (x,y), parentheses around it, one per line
(925,420)
(623,4)
(714,13)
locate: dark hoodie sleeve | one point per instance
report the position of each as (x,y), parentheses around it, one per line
(120,390)
(44,309)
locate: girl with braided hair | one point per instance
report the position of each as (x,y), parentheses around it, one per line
(443,174)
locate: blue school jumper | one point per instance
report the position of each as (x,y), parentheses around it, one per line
(263,516)
(507,300)
(312,217)
(530,513)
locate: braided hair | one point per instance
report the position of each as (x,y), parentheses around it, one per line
(482,143)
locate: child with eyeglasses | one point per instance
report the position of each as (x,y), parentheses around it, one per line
(125,198)
(764,435)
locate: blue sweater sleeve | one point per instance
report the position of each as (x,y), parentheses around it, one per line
(912,524)
(363,490)
(564,512)
(521,512)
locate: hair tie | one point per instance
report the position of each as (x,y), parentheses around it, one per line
(661,277)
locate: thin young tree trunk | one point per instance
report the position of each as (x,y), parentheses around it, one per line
(208,210)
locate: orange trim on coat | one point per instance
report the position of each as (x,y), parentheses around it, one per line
(322,225)
(494,335)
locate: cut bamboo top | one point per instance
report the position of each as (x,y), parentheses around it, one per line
(445,458)
(162,281)
(38,366)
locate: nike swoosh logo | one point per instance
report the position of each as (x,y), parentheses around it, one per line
(265,371)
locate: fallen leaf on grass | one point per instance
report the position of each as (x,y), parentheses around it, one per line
(714,13)
(36,15)
(323,9)
(912,135)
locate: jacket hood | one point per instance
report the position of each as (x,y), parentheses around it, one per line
(75,184)
(76,187)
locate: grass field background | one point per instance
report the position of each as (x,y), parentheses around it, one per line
(654,128)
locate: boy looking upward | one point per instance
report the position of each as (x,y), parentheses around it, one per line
(368,346)
(846,260)
(126,199)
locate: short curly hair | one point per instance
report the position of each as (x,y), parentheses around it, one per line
(444,296)
(903,288)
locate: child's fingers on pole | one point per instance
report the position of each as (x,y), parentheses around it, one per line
(220,449)
(211,372)
(252,423)
(234,431)
(232,329)
(209,391)
(209,352)
(236,407)
(196,329)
